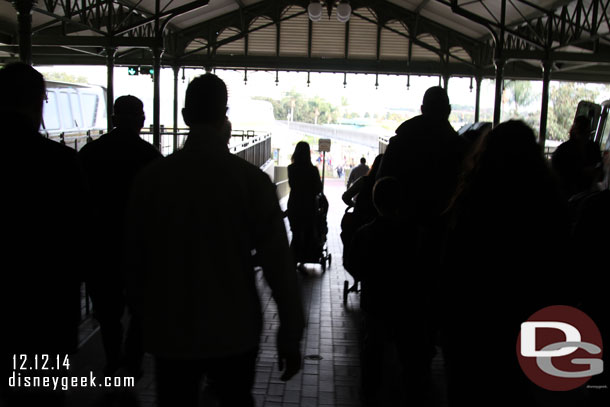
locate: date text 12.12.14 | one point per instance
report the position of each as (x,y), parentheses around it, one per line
(40,362)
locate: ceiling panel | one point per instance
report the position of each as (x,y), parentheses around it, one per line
(393,44)
(294,33)
(262,41)
(328,38)
(362,35)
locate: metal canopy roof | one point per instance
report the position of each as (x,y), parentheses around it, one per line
(441,37)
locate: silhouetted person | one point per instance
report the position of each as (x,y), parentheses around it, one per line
(357,172)
(196,216)
(589,243)
(577,162)
(111,164)
(426,156)
(43,245)
(384,257)
(360,196)
(305,185)
(505,259)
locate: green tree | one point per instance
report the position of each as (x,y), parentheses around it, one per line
(64,77)
(293,106)
(564,98)
(520,95)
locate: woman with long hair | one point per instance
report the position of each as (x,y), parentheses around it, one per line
(305,185)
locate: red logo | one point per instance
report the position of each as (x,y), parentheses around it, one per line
(559,348)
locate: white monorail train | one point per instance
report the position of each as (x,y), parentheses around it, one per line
(73,113)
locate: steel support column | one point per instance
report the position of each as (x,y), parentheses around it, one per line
(477,98)
(446,81)
(546,80)
(24,19)
(110,54)
(157,52)
(499,62)
(176,73)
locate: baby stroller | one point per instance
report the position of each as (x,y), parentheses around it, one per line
(313,246)
(349,225)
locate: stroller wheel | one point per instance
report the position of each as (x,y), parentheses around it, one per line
(323,263)
(345,291)
(330,260)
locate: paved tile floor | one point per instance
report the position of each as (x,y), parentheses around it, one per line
(330,374)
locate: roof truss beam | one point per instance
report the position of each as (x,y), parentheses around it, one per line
(110,17)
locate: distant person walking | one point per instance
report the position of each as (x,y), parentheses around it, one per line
(44,246)
(111,164)
(195,219)
(305,185)
(357,172)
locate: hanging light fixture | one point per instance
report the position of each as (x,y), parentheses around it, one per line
(315,10)
(408,82)
(344,11)
(316,7)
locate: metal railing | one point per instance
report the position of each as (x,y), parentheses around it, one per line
(252,146)
(256,149)
(77,139)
